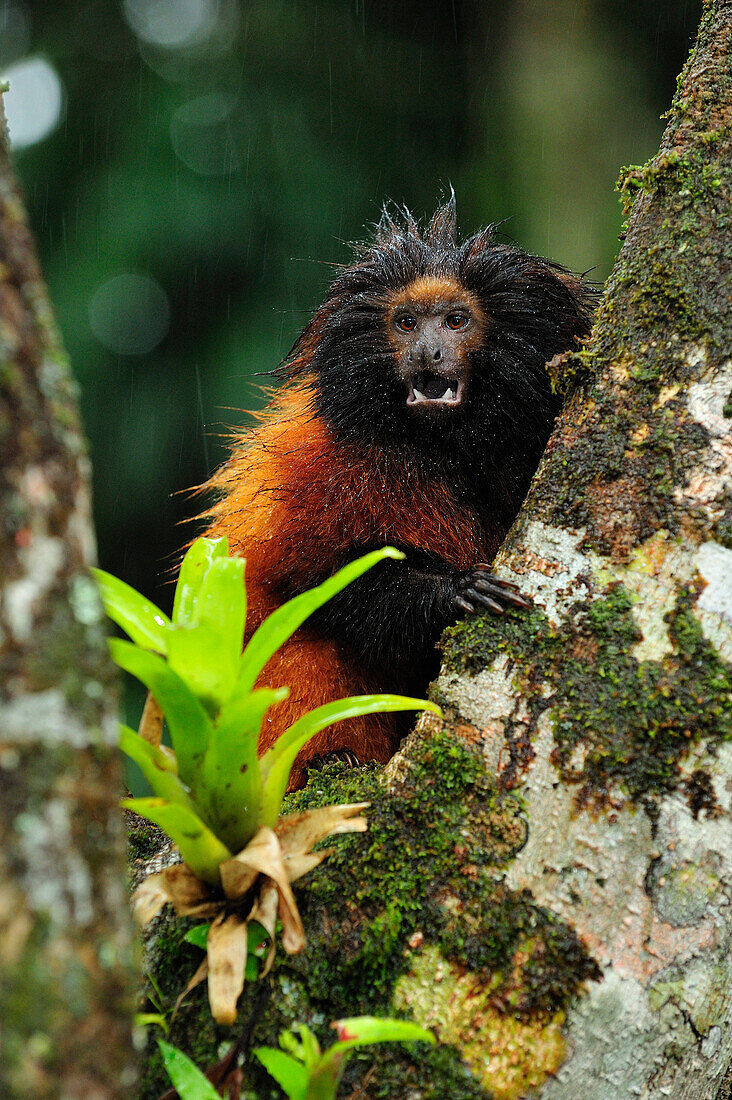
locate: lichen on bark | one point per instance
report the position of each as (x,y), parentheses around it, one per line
(65,940)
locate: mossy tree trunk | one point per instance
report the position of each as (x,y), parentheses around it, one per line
(610,708)
(547,877)
(65,941)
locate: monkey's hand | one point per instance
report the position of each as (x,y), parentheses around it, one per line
(477,589)
(338,756)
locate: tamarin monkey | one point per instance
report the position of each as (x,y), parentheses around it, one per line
(416,409)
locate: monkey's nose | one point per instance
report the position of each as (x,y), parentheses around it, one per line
(428,354)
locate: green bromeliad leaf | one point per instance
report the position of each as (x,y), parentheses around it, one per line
(282,623)
(205,650)
(277,761)
(199,847)
(230,773)
(189,724)
(158,767)
(145,623)
(190,578)
(290,1075)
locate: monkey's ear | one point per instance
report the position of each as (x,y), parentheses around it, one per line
(442,230)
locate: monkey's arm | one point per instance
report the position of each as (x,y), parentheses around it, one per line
(393,616)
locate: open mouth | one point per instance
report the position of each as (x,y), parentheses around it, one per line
(427,388)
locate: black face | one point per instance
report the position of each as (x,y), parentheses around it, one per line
(435,350)
(431,339)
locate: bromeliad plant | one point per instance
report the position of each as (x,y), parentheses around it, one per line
(301,1069)
(305,1072)
(214,797)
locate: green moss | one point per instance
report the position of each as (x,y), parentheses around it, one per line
(632,721)
(627,442)
(436,848)
(144,839)
(727,409)
(723,530)
(434,1074)
(427,872)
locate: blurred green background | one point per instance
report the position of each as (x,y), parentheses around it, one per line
(193,166)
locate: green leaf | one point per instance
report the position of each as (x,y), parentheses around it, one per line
(198,936)
(145,623)
(282,623)
(359,1031)
(303,1045)
(189,725)
(230,772)
(192,571)
(257,938)
(199,847)
(189,1082)
(277,762)
(146,1019)
(325,1077)
(289,1074)
(206,650)
(159,769)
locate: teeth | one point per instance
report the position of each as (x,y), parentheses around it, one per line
(450,395)
(418,396)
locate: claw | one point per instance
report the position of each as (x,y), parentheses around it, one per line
(337,756)
(485,568)
(485,601)
(481,590)
(464,605)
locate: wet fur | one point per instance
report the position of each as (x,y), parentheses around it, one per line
(338,465)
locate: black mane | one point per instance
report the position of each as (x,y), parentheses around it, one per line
(535,308)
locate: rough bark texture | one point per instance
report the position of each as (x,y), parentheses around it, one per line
(611,711)
(547,877)
(65,942)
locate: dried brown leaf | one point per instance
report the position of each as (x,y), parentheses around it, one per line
(299,865)
(264,910)
(149,898)
(151,723)
(227,956)
(299,832)
(190,896)
(263,854)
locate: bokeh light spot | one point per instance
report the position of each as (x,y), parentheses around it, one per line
(172,24)
(201,134)
(34,103)
(130,314)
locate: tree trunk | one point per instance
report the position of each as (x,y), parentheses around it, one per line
(611,710)
(547,877)
(65,942)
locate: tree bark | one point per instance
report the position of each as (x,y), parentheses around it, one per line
(65,938)
(547,877)
(613,716)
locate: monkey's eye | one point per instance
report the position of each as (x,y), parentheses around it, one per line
(456,320)
(407,322)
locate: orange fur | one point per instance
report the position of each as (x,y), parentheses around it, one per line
(294,500)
